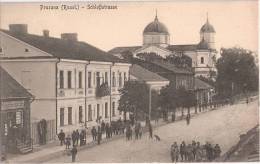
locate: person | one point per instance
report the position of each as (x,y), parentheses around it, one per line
(73,136)
(136,131)
(68,142)
(175,152)
(210,152)
(173,116)
(77,137)
(193,145)
(74,153)
(82,138)
(107,130)
(188,118)
(150,130)
(94,133)
(189,153)
(217,151)
(103,126)
(199,153)
(99,135)
(183,151)
(61,137)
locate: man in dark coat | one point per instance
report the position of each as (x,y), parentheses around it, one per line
(183,151)
(61,137)
(94,133)
(107,130)
(188,118)
(150,130)
(217,151)
(99,135)
(82,138)
(77,137)
(74,152)
(103,126)
(73,137)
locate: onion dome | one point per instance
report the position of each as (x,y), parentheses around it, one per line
(207,28)
(156,27)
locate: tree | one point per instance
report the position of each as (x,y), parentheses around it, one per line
(237,72)
(134,98)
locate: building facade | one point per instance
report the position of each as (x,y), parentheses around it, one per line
(75,84)
(156,40)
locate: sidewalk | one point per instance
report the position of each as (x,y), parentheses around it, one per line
(52,150)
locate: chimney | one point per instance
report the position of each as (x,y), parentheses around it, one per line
(70,36)
(46,33)
(18,28)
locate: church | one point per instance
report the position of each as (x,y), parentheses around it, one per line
(156,39)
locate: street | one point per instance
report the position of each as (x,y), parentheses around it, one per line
(222,126)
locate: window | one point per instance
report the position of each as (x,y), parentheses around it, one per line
(80,114)
(120,79)
(19,118)
(98,78)
(70,115)
(89,113)
(106,110)
(80,79)
(69,79)
(61,79)
(113,109)
(106,77)
(26,50)
(113,79)
(98,111)
(202,60)
(61,116)
(89,79)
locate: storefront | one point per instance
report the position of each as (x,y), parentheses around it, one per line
(14,115)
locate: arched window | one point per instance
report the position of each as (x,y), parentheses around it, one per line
(202,60)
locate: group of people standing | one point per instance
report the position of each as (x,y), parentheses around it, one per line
(194,152)
(136,128)
(74,139)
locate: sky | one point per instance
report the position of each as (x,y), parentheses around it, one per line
(235,22)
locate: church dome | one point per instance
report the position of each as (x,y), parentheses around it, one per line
(156,27)
(207,27)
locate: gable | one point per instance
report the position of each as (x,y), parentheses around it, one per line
(155,49)
(13,48)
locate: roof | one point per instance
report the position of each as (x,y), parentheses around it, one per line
(199,84)
(156,27)
(203,45)
(143,74)
(172,67)
(119,50)
(207,27)
(187,47)
(10,88)
(65,49)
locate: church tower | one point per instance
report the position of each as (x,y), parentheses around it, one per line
(207,33)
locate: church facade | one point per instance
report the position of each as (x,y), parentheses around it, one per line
(156,39)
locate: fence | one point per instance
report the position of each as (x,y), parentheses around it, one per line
(51,131)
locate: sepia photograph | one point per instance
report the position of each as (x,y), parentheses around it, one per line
(129,81)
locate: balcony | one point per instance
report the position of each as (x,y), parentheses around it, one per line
(102,90)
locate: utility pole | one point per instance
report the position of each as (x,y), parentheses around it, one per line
(150,101)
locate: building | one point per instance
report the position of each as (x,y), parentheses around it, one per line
(156,40)
(15,112)
(203,92)
(74,83)
(153,80)
(179,77)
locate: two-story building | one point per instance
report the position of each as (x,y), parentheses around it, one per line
(74,83)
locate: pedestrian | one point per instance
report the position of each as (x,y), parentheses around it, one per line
(199,153)
(193,145)
(94,133)
(103,126)
(150,130)
(61,137)
(183,151)
(175,152)
(107,130)
(110,131)
(99,135)
(136,131)
(82,138)
(188,118)
(189,153)
(73,137)
(68,142)
(77,137)
(217,151)
(210,152)
(74,153)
